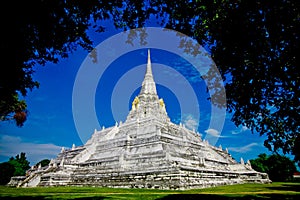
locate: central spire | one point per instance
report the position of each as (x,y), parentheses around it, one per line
(147,104)
(148,85)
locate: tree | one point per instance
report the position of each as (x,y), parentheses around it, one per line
(254,43)
(43,162)
(296,151)
(16,166)
(20,164)
(6,171)
(260,164)
(38,32)
(279,168)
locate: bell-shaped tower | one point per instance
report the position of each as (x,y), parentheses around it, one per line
(147,104)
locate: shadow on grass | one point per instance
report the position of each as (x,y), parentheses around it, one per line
(43,197)
(230,197)
(286,187)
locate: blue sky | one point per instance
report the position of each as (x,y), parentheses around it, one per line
(50,123)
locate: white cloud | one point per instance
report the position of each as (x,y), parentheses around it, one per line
(190,122)
(10,146)
(243,149)
(214,133)
(239,130)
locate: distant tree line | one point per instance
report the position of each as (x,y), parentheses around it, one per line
(16,166)
(278,167)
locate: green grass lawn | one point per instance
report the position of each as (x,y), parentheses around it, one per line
(244,191)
